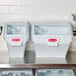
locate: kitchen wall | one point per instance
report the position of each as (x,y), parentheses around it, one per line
(36,9)
(30,10)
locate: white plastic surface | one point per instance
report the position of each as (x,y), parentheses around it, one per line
(52,54)
(16,29)
(19,32)
(41,32)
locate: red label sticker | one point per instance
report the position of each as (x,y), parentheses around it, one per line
(52,40)
(15,39)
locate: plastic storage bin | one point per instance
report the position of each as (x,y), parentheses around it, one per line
(16,35)
(54,72)
(17,72)
(51,41)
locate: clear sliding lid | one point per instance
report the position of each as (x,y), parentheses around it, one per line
(52,28)
(16,29)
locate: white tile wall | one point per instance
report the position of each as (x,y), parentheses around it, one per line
(21,13)
(41,2)
(27,2)
(4,18)
(26,10)
(10,2)
(3,9)
(38,9)
(18,17)
(56,7)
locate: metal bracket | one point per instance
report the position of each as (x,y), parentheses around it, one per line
(1,30)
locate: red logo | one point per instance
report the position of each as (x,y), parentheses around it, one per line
(52,40)
(15,39)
